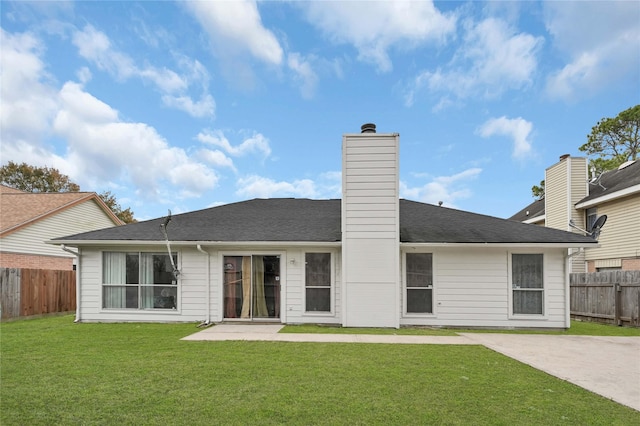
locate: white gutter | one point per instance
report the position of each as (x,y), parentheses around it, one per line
(78,269)
(536,219)
(609,197)
(191,243)
(567,290)
(207,319)
(542,245)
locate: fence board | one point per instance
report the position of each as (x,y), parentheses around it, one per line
(27,292)
(611,296)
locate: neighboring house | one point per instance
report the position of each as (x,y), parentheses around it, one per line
(368,260)
(28,219)
(570,194)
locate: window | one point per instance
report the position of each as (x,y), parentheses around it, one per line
(317,273)
(591,216)
(528,284)
(419,278)
(138,281)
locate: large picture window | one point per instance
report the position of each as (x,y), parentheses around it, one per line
(528,284)
(419,283)
(317,282)
(138,281)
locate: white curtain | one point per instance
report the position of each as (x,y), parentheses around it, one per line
(146,277)
(114,269)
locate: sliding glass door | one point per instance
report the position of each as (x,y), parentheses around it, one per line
(252,287)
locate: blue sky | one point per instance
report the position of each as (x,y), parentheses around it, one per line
(188,105)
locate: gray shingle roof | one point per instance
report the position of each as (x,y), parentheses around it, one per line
(534,209)
(614,181)
(304,220)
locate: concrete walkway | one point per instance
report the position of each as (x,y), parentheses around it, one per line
(607,366)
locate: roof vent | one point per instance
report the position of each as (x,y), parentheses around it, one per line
(564,156)
(368,128)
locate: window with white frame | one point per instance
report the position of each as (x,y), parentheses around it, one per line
(138,281)
(317,273)
(419,283)
(527,280)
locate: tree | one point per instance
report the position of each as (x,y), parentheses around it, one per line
(110,200)
(614,140)
(538,191)
(44,179)
(35,179)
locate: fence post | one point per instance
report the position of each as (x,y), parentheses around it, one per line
(617,304)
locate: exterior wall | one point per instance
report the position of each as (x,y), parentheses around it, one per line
(370,229)
(620,237)
(87,216)
(29,261)
(472,289)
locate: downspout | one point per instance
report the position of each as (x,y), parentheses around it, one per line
(567,280)
(78,269)
(207,319)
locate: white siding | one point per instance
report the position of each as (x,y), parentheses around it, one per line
(472,289)
(83,217)
(370,230)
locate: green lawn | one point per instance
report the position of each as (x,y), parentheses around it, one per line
(578,328)
(55,372)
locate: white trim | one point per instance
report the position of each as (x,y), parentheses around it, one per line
(332,287)
(545,289)
(609,197)
(536,219)
(217,244)
(403,287)
(283,282)
(513,245)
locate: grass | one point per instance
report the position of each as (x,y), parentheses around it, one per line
(578,328)
(56,372)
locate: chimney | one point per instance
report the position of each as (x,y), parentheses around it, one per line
(370,229)
(368,128)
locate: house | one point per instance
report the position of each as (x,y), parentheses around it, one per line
(571,194)
(29,219)
(369,259)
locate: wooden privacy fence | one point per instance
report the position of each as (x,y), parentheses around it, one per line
(27,292)
(611,297)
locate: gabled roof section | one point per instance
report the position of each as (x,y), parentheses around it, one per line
(426,223)
(19,209)
(533,210)
(277,219)
(622,180)
(304,220)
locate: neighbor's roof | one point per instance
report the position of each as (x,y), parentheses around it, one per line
(19,209)
(614,181)
(304,220)
(535,209)
(609,184)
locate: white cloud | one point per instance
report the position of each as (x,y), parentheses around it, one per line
(492,59)
(306,78)
(447,189)
(374,28)
(27,98)
(216,158)
(96,47)
(257,143)
(97,139)
(601,41)
(236,26)
(262,187)
(518,129)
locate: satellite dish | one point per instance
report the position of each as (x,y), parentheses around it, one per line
(594,232)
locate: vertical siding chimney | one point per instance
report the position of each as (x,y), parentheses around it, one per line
(370,229)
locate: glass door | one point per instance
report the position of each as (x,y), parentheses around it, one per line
(251,287)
